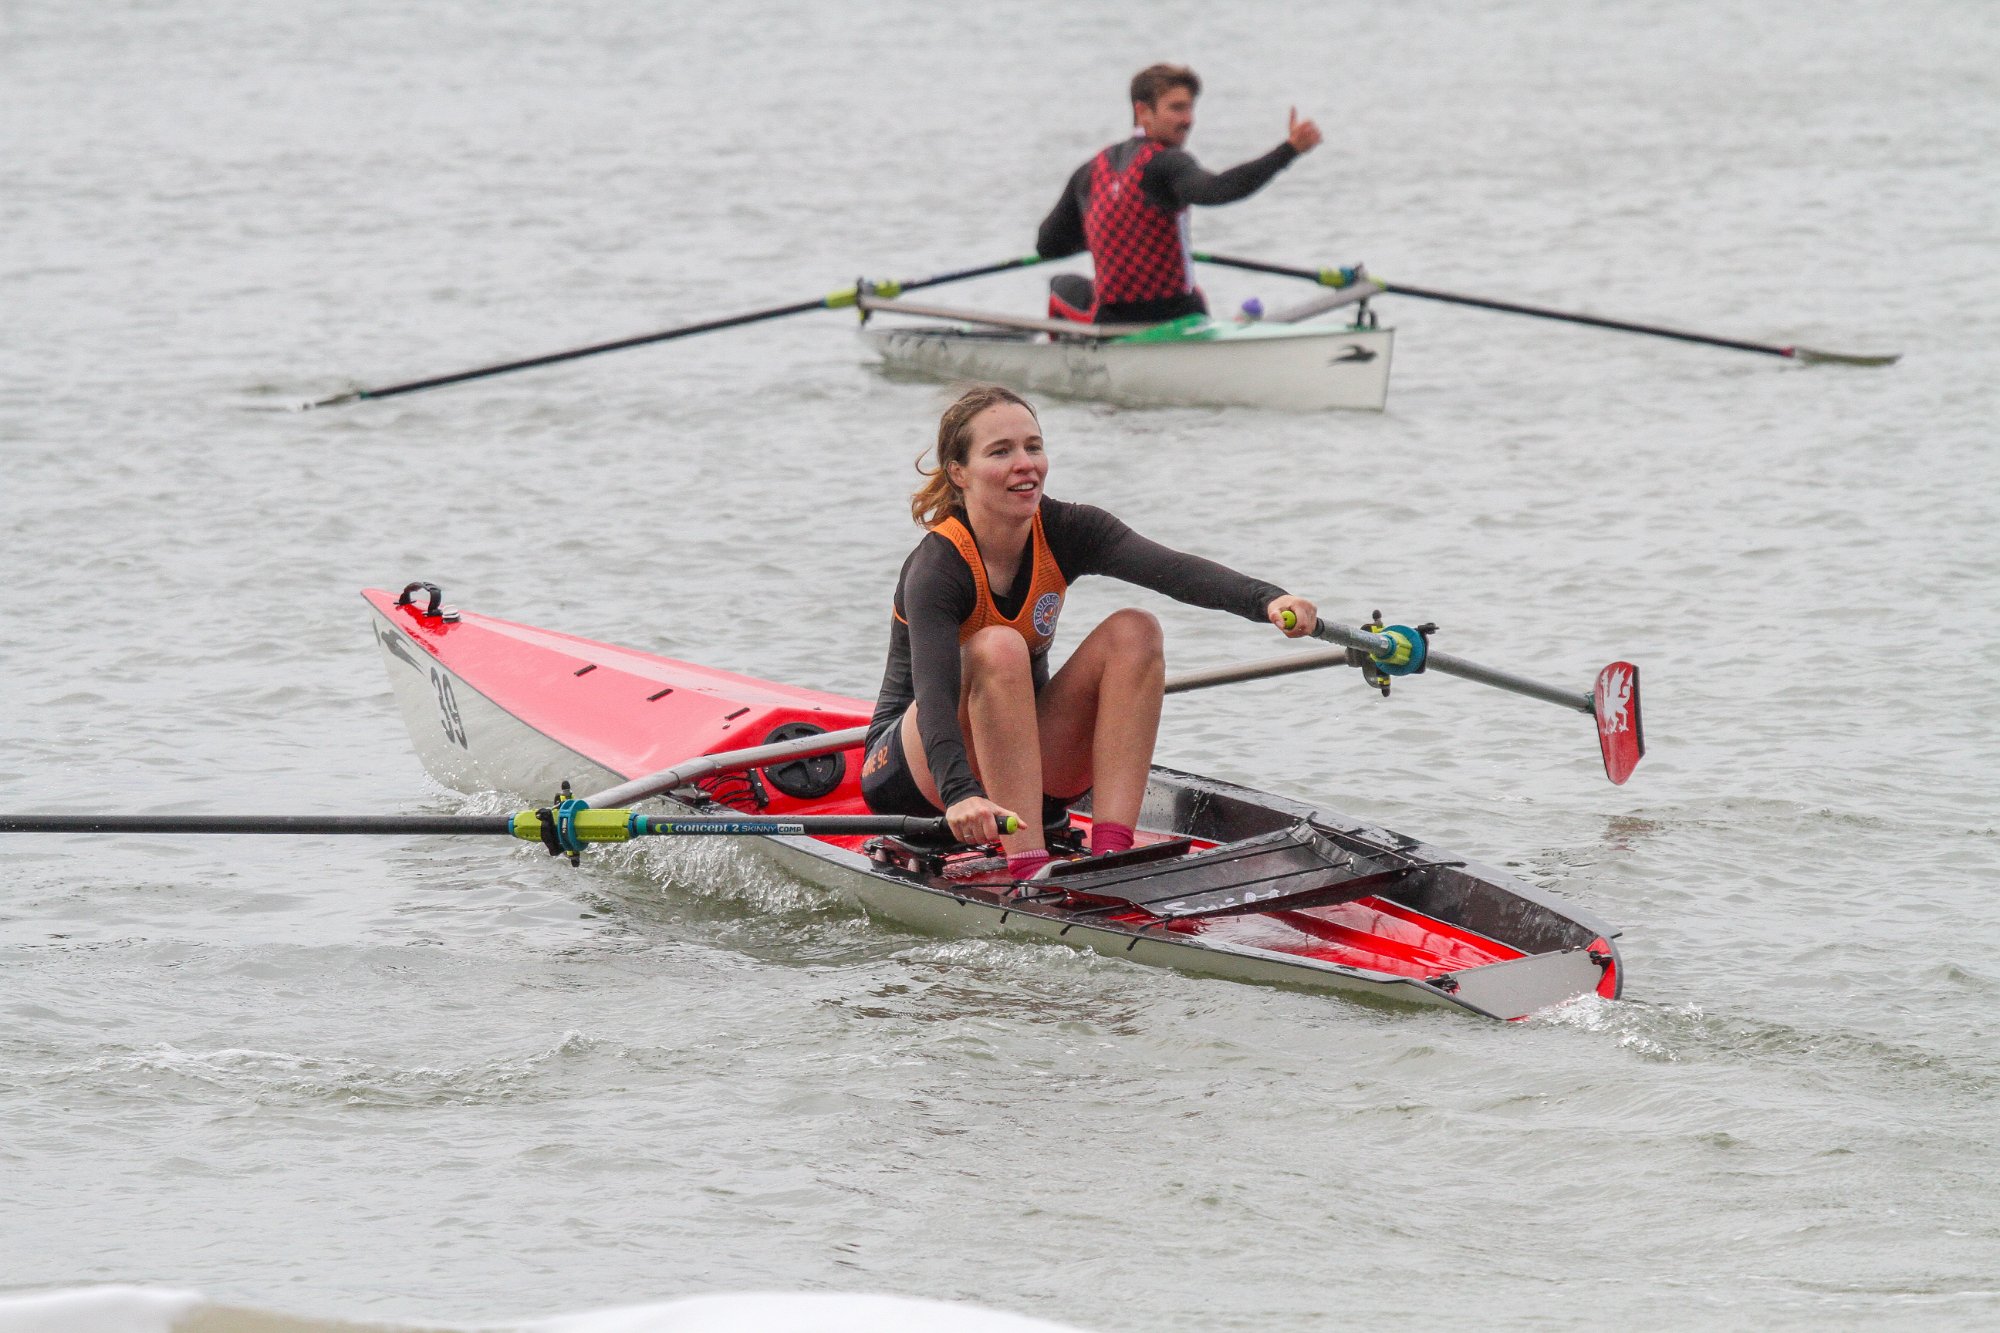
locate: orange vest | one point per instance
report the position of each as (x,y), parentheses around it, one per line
(1039,609)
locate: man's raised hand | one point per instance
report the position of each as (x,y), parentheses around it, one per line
(1302,135)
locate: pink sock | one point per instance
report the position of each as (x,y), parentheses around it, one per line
(1108,837)
(1023,865)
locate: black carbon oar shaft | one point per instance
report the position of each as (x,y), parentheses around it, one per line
(1326,277)
(606,825)
(832,301)
(308,824)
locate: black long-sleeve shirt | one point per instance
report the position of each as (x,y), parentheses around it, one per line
(1172,180)
(935,595)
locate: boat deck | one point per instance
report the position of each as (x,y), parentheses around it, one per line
(1374,933)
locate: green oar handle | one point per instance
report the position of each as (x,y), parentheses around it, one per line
(1384,648)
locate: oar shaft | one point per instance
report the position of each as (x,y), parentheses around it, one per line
(1577,700)
(958,275)
(1381,645)
(914,827)
(552,358)
(832,742)
(1281,270)
(726,761)
(596,825)
(1275,666)
(833,301)
(1505,307)
(1066,328)
(1595,321)
(290,824)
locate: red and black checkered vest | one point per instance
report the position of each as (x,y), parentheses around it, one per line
(1134,243)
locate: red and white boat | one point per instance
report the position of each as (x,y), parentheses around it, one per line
(1226,881)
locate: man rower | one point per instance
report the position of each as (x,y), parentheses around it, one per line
(1128,207)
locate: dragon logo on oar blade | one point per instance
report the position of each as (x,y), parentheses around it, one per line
(1615,704)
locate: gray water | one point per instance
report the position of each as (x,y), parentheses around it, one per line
(367,1079)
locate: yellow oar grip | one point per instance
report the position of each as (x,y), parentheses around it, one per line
(1289,620)
(590,825)
(1010,825)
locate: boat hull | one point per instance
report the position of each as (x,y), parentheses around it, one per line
(1296,368)
(494,706)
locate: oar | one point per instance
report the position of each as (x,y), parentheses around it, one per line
(1398,650)
(1063,328)
(838,300)
(832,742)
(571,826)
(1336,277)
(568,825)
(1264,670)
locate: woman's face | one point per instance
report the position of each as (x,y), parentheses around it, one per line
(1004,468)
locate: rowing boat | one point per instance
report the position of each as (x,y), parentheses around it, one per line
(1196,362)
(1225,881)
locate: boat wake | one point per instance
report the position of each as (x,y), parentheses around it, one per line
(1689,1034)
(283,1079)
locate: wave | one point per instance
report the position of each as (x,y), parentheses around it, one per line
(166,1310)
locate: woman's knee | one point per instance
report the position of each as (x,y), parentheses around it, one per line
(996,652)
(1136,633)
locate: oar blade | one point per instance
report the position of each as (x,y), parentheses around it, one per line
(338,400)
(1810,355)
(1615,704)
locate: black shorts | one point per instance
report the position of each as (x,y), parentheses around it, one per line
(886,782)
(888,787)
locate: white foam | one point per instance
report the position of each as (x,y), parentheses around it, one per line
(98,1310)
(778,1312)
(163,1310)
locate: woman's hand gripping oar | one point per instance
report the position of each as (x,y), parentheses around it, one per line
(842,299)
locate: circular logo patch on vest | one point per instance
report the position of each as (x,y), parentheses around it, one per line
(1047,607)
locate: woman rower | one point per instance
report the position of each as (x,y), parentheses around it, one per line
(969,721)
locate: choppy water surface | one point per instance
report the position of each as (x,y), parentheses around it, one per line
(359,1079)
